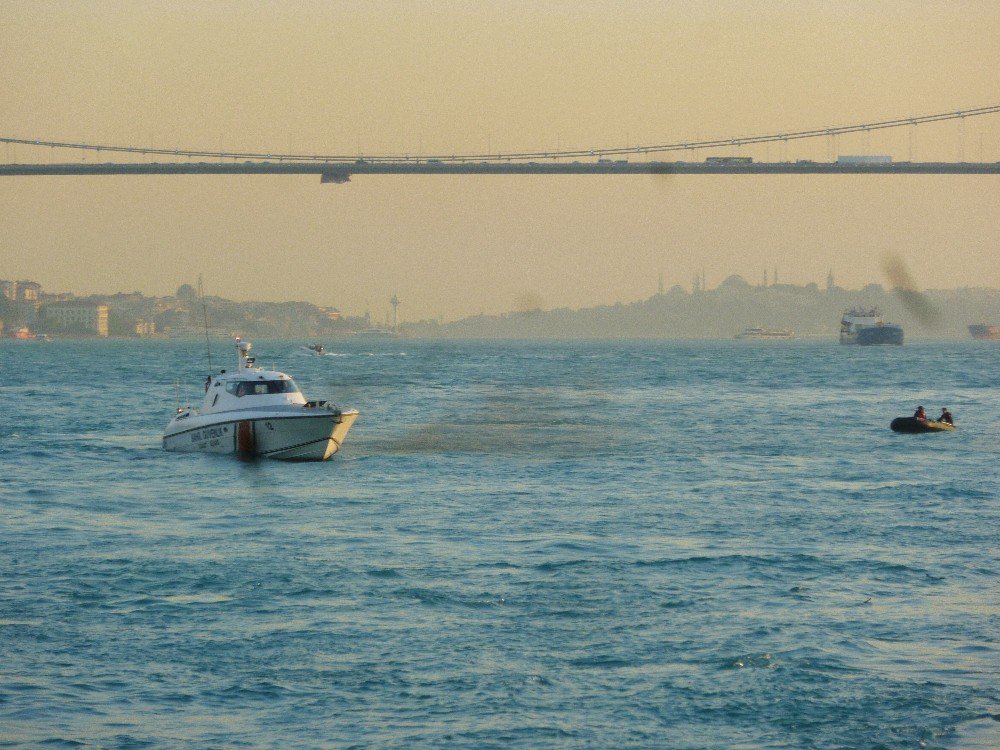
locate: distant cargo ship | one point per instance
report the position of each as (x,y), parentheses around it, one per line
(865,327)
(984,332)
(765,333)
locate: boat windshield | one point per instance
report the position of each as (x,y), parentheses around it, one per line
(241,388)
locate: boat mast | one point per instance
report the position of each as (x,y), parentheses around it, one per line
(243,361)
(204,312)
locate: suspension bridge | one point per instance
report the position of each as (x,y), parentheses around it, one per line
(339,168)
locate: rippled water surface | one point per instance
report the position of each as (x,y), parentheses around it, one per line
(669,545)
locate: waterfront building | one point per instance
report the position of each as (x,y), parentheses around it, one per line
(145,328)
(20,291)
(77,317)
(27,291)
(22,301)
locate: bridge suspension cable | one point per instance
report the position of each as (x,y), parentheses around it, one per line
(521,155)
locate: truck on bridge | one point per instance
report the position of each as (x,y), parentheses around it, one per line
(729,161)
(852,160)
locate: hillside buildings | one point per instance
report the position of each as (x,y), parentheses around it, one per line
(26,308)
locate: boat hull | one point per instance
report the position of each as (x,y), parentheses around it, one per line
(985,332)
(874,336)
(303,437)
(912,424)
(880,335)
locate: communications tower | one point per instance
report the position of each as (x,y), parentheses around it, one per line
(395,304)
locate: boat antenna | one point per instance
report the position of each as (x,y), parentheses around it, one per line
(204,313)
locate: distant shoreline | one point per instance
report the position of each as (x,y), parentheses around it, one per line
(675,314)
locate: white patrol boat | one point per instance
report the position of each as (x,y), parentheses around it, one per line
(256,412)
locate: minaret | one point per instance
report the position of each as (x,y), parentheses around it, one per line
(774,279)
(395,304)
(829,281)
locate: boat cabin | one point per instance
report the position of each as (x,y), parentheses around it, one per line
(249,387)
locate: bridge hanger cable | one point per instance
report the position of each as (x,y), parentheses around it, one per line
(523,155)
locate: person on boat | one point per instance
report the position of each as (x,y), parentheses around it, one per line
(920,414)
(946,416)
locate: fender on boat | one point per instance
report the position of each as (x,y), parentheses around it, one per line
(246,441)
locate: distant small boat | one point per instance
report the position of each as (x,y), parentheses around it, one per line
(912,424)
(765,333)
(984,332)
(316,349)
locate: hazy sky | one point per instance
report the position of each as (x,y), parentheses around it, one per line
(424,77)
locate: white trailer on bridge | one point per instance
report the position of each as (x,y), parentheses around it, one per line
(864,160)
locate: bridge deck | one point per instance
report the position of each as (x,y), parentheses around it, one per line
(341,171)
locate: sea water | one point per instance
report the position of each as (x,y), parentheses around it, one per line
(532,545)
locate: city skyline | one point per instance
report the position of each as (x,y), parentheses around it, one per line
(25,291)
(659,281)
(733,305)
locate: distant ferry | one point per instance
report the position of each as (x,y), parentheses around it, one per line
(376,333)
(984,332)
(865,327)
(765,333)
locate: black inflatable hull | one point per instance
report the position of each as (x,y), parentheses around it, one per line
(912,424)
